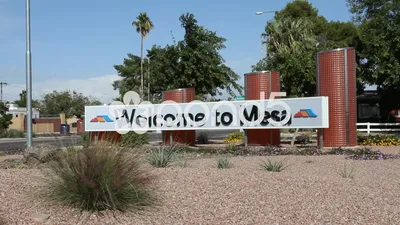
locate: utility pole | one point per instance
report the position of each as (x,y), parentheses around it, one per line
(28,76)
(1,87)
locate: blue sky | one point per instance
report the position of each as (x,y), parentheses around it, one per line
(76,43)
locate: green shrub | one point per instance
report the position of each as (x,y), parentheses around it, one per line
(86,139)
(2,154)
(235,137)
(162,156)
(133,139)
(274,166)
(203,138)
(12,134)
(98,178)
(231,148)
(224,163)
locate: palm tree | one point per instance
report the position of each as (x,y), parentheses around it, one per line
(143,26)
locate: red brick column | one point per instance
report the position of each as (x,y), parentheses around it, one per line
(255,83)
(336,78)
(188,137)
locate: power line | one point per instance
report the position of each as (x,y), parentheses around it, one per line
(1,90)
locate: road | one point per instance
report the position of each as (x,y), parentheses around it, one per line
(20,143)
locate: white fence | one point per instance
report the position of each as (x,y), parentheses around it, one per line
(377,127)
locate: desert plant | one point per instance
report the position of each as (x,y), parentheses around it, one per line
(274,166)
(133,139)
(162,156)
(224,163)
(42,153)
(98,178)
(203,138)
(2,154)
(86,139)
(231,148)
(347,171)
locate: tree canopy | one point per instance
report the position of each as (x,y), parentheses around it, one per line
(379,27)
(294,38)
(194,61)
(22,100)
(71,103)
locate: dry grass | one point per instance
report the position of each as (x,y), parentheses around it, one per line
(304,193)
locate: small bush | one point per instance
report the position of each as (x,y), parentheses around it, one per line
(162,156)
(347,171)
(380,140)
(12,134)
(203,138)
(2,154)
(98,178)
(272,150)
(86,139)
(224,163)
(231,148)
(274,166)
(340,151)
(235,137)
(310,150)
(133,139)
(369,154)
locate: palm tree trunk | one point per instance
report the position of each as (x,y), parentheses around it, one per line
(141,68)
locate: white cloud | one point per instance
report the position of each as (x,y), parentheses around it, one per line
(99,87)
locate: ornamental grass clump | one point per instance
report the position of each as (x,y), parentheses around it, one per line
(163,156)
(224,163)
(98,178)
(274,166)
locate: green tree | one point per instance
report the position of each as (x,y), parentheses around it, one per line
(5,119)
(293,47)
(143,26)
(294,39)
(379,23)
(192,62)
(129,71)
(71,103)
(379,32)
(22,101)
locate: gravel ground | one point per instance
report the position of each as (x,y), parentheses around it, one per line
(310,191)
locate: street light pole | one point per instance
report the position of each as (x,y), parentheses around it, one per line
(266,44)
(262,12)
(28,76)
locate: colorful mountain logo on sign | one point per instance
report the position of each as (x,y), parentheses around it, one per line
(101,119)
(305,113)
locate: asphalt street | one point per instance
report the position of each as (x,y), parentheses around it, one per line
(20,143)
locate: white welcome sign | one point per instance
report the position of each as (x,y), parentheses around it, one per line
(284,113)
